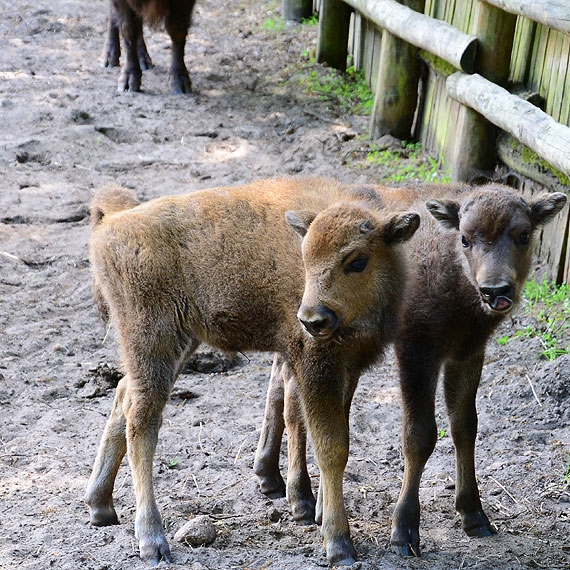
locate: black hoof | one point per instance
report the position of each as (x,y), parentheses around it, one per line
(480,531)
(341,552)
(405,549)
(104,517)
(272,486)
(181,84)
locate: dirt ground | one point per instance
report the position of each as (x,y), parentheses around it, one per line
(65,131)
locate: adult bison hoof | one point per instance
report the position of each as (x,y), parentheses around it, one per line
(181,84)
(110,59)
(340,552)
(154,550)
(303,512)
(405,549)
(129,81)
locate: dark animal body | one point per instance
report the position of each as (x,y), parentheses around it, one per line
(224,267)
(127,17)
(468,262)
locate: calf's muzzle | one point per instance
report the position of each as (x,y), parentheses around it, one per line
(319,322)
(499,297)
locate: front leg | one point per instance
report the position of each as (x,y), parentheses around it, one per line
(323,403)
(112,49)
(418,379)
(461,381)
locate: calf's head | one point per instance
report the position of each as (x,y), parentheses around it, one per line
(353,267)
(494,227)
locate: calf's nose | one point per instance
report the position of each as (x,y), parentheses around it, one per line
(499,298)
(318,322)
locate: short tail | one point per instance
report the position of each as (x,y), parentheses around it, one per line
(110,199)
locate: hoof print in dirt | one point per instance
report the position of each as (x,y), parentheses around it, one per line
(211,362)
(199,531)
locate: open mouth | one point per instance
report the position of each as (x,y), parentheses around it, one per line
(500,304)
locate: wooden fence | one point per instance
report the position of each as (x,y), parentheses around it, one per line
(479,83)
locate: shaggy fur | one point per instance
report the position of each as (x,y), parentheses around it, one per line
(223,266)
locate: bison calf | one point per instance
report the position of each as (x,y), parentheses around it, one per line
(127,16)
(224,267)
(468,262)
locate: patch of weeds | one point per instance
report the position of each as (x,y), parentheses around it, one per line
(271,25)
(312,21)
(345,90)
(549,306)
(407,164)
(567,476)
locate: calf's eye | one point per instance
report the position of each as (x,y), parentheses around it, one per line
(524,238)
(356,265)
(464,242)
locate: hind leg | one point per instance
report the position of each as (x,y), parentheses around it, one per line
(461,380)
(177,24)
(131,29)
(113,446)
(266,464)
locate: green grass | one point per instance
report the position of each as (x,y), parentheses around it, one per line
(312,21)
(345,90)
(407,164)
(567,476)
(549,307)
(271,25)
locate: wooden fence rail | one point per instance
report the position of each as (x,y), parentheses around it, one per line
(551,13)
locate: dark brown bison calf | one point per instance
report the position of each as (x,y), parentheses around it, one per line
(224,267)
(127,16)
(468,263)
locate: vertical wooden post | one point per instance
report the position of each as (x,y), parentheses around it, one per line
(397,84)
(297,10)
(474,152)
(332,46)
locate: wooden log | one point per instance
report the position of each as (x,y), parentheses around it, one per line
(420,30)
(396,90)
(297,10)
(332,43)
(531,126)
(552,13)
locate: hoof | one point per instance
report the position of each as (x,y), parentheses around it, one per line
(341,552)
(405,549)
(103,516)
(303,512)
(480,531)
(181,84)
(154,550)
(272,486)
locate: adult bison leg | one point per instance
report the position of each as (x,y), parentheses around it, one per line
(418,379)
(177,24)
(266,464)
(112,449)
(299,492)
(131,29)
(322,399)
(461,380)
(112,49)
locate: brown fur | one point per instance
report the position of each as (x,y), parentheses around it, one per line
(446,318)
(127,16)
(222,266)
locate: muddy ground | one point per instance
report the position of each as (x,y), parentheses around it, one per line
(65,131)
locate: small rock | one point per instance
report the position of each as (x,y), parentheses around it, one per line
(197,532)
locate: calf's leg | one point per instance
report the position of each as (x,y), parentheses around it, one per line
(112,449)
(418,376)
(266,464)
(461,380)
(322,401)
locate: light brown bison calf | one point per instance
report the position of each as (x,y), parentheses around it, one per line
(224,267)
(468,263)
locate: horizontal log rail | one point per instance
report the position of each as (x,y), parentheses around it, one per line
(552,13)
(527,123)
(435,36)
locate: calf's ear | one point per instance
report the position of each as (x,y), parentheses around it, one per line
(300,220)
(446,212)
(545,206)
(401,227)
